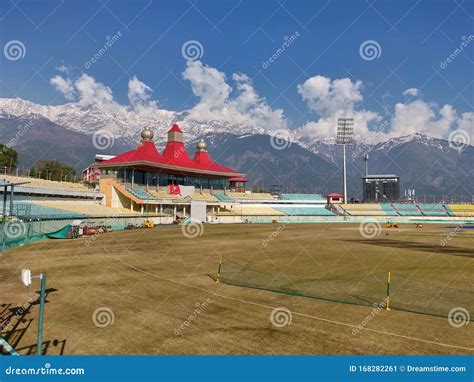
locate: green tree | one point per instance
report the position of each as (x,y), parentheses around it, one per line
(8,158)
(52,170)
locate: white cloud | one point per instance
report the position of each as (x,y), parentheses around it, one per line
(326,96)
(64,86)
(331,99)
(421,117)
(139,97)
(219,101)
(92,92)
(237,101)
(412,92)
(210,86)
(466,122)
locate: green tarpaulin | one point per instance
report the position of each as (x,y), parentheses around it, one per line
(59,234)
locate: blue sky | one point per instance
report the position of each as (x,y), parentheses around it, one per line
(237,37)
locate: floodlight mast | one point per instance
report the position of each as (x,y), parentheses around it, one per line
(366,160)
(345,130)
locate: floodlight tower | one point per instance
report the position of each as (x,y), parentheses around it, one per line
(345,129)
(366,160)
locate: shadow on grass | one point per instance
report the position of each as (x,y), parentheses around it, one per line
(447,250)
(15,321)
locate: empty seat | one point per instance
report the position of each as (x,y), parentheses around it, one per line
(141,194)
(163,195)
(461,210)
(223,197)
(250,196)
(205,197)
(432,209)
(27,210)
(46,184)
(407,209)
(369,209)
(84,209)
(253,210)
(305,211)
(312,197)
(388,209)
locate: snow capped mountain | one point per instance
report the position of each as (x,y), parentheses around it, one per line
(126,123)
(120,121)
(418,138)
(65,132)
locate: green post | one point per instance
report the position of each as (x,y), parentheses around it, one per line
(41,314)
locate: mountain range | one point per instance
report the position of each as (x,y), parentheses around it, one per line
(66,133)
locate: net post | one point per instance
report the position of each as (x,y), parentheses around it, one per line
(41,314)
(387,301)
(218,280)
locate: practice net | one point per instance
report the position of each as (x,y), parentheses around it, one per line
(406,293)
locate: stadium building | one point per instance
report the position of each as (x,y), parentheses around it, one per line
(145,168)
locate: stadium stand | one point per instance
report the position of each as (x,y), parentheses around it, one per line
(407,209)
(204,197)
(313,197)
(305,211)
(84,209)
(371,209)
(256,210)
(141,194)
(46,184)
(432,209)
(29,211)
(461,210)
(163,195)
(388,209)
(223,197)
(250,196)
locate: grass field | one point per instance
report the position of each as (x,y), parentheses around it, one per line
(154,285)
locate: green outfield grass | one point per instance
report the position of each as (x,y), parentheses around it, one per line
(156,284)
